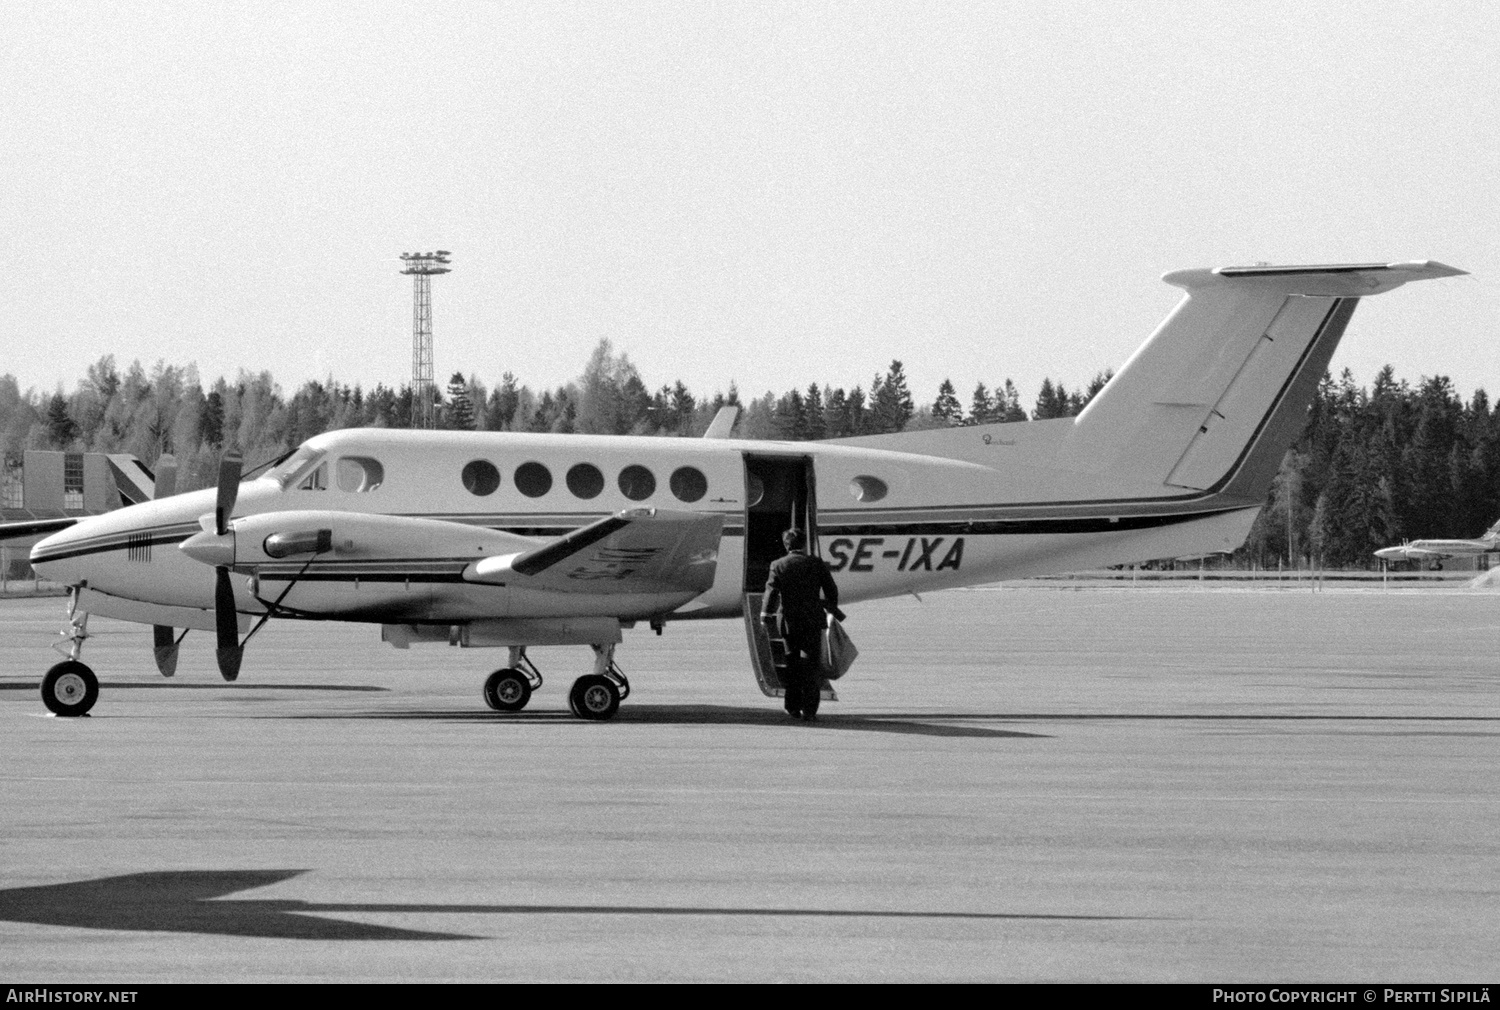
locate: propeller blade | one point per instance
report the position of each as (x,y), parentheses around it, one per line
(228,626)
(229,489)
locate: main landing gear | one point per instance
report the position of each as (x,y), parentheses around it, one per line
(598,695)
(595,696)
(509,690)
(70,688)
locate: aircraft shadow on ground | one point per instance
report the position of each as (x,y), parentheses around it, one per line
(941,724)
(916,724)
(196,901)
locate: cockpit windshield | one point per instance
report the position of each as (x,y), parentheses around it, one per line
(294,466)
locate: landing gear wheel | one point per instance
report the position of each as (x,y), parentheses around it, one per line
(507,690)
(70,689)
(594,697)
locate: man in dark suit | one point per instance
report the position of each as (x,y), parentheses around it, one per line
(793,588)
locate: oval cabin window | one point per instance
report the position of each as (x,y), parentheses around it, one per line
(637,483)
(868,489)
(585,480)
(688,483)
(480,477)
(358,473)
(533,480)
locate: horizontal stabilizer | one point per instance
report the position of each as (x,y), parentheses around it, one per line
(636,551)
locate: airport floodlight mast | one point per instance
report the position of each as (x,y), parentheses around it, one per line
(423,392)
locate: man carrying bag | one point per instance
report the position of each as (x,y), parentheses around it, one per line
(796,583)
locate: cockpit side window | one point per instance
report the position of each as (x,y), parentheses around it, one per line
(296,467)
(359,473)
(315,481)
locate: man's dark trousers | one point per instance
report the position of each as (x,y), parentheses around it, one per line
(804,678)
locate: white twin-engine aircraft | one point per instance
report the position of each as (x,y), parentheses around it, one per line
(1437,550)
(517,540)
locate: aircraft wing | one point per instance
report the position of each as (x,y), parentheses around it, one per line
(33,527)
(635,551)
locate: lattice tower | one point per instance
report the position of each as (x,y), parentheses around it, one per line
(422,266)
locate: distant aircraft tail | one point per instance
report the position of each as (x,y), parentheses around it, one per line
(1208,405)
(1492,535)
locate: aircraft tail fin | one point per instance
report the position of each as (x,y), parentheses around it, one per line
(1207,405)
(1213,398)
(723,422)
(134,482)
(1492,535)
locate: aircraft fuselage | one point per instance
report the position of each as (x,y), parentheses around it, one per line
(888,523)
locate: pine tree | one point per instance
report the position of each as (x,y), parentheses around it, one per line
(790,417)
(836,414)
(891,400)
(817,423)
(460,413)
(60,425)
(211,420)
(1008,403)
(683,406)
(856,417)
(981,406)
(1429,507)
(1051,402)
(946,409)
(500,408)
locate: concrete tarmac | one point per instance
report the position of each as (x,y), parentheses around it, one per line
(1155,784)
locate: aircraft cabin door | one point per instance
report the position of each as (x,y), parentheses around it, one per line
(780,492)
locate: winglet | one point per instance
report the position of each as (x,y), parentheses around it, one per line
(723,422)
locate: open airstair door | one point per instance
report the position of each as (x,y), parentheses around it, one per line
(768,654)
(779,494)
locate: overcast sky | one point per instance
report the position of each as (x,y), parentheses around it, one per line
(765,194)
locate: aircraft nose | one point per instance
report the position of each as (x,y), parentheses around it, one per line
(51,555)
(215,549)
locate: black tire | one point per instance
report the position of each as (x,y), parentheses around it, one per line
(70,689)
(594,697)
(507,690)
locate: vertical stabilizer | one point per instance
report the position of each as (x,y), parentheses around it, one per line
(1221,389)
(133,481)
(723,422)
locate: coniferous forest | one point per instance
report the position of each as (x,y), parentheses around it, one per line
(1374,465)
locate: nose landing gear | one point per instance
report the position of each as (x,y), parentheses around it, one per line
(70,688)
